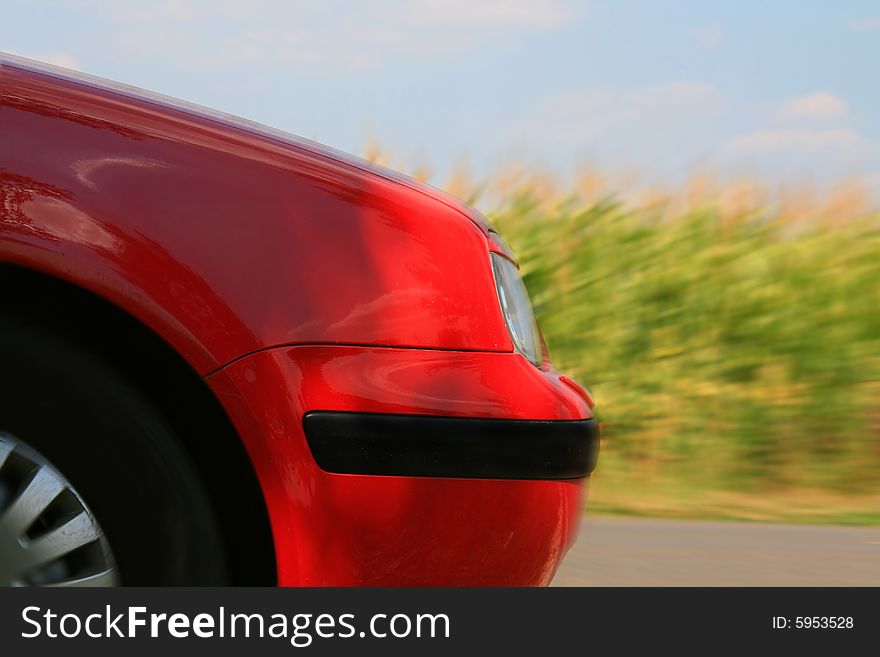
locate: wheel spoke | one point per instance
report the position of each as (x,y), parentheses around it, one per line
(31,503)
(62,540)
(5,450)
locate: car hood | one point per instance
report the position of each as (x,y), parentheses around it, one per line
(222,120)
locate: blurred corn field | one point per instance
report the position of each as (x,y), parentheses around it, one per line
(731,337)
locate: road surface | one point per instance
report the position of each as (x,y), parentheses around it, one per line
(644,552)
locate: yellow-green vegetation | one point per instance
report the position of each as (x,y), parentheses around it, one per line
(734,354)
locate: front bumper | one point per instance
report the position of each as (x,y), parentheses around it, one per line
(358,508)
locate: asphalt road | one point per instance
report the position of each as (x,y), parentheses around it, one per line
(643,552)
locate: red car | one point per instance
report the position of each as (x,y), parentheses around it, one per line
(232,356)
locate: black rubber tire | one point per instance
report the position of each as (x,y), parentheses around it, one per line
(117,451)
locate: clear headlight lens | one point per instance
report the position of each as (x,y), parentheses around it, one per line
(516,308)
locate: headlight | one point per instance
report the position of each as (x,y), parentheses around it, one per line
(516,308)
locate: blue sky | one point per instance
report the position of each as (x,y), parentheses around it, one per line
(784,90)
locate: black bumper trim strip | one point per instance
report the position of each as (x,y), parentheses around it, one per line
(429,446)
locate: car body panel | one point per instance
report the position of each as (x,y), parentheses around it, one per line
(349,530)
(212,235)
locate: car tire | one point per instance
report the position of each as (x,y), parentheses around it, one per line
(116,450)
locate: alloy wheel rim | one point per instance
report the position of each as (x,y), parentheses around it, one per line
(48,536)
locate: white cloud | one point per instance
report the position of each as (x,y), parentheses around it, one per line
(292,48)
(708,36)
(157,10)
(587,114)
(866,24)
(168,12)
(819,105)
(685,123)
(491,13)
(457,13)
(352,37)
(839,142)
